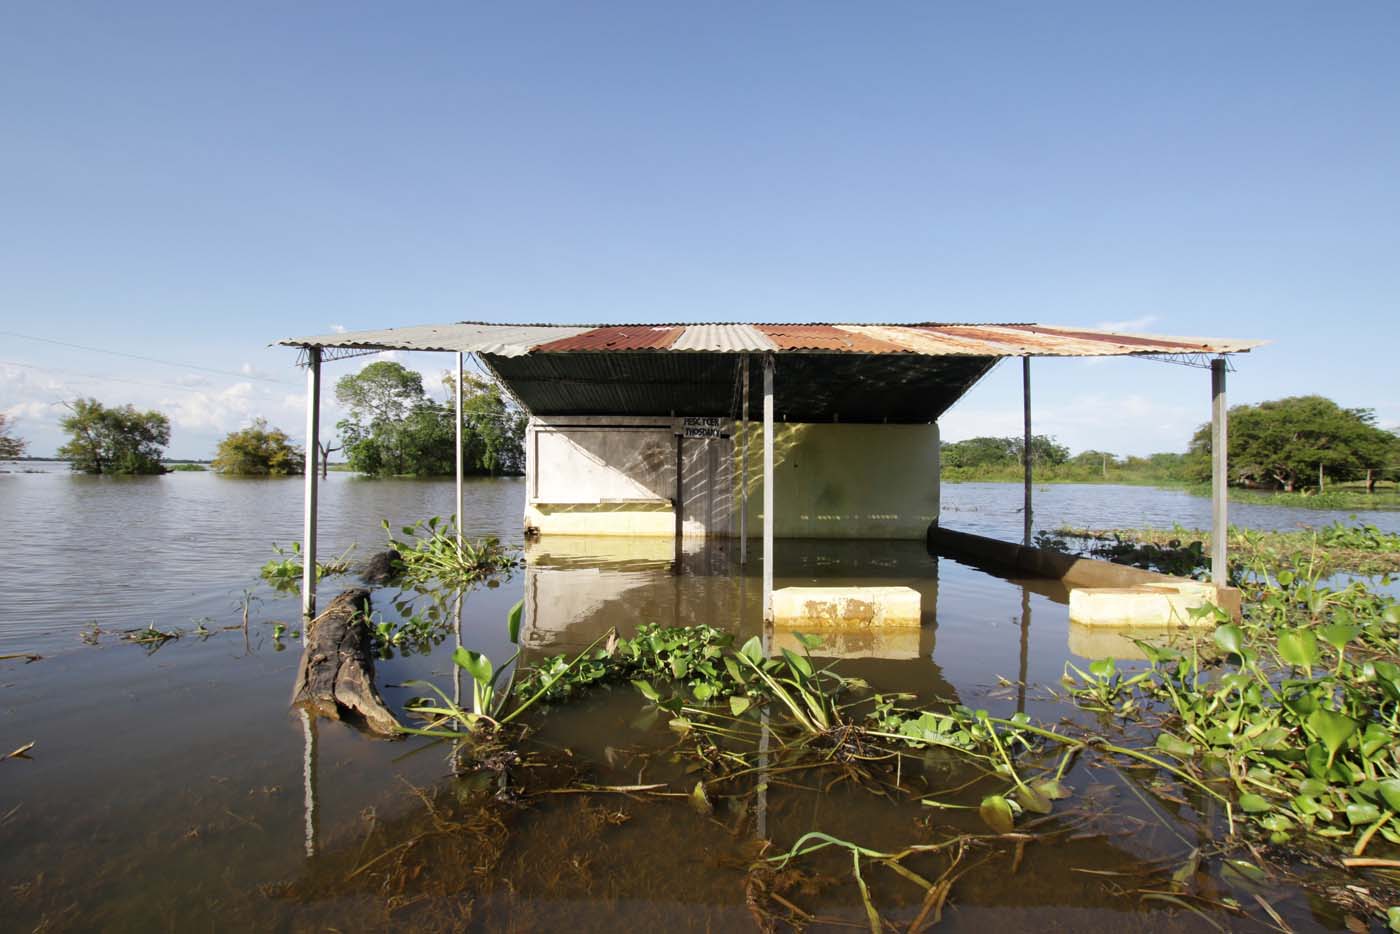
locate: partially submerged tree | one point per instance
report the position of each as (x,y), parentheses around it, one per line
(259,451)
(1288,442)
(10,446)
(114,440)
(395,428)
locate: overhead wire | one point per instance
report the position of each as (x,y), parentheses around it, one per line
(146,359)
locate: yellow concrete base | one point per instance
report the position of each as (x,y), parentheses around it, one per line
(630,519)
(846,607)
(1155,605)
(890,642)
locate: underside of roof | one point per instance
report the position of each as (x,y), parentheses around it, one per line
(824,372)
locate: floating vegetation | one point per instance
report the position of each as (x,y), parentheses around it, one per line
(429,554)
(1296,709)
(1276,735)
(284,573)
(1360,548)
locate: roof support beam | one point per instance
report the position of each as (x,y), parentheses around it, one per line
(768,488)
(313,450)
(460,471)
(744,470)
(1026,451)
(1219,475)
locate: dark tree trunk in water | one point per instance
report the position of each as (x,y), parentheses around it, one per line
(336,674)
(1370,480)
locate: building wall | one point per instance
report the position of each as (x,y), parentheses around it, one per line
(605,475)
(847,481)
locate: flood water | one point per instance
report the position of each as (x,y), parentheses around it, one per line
(172,788)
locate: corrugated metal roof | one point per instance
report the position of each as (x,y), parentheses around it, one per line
(617,337)
(927,339)
(733,338)
(505,340)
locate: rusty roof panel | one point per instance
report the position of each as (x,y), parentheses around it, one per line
(828,338)
(1112,342)
(617,337)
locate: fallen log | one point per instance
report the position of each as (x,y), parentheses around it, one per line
(382,568)
(336,675)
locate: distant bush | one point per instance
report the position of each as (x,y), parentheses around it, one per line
(114,440)
(259,451)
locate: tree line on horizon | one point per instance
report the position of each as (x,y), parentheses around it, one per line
(1292,444)
(393,428)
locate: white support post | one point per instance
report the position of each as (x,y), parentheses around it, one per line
(1219,475)
(313,451)
(1026,450)
(744,472)
(460,499)
(768,488)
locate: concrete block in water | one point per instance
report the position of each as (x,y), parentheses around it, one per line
(1154,605)
(846,607)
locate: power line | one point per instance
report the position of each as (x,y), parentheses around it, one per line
(133,356)
(115,379)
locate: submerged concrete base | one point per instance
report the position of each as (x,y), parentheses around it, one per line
(846,607)
(888,642)
(1154,604)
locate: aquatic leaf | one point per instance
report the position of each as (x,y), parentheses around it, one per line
(701,801)
(1313,786)
(731,666)
(1051,788)
(1298,647)
(798,662)
(1176,746)
(738,704)
(1184,873)
(1254,804)
(1333,728)
(703,691)
(808,642)
(1392,919)
(1230,638)
(1374,738)
(1102,668)
(649,692)
(996,813)
(1362,814)
(1284,578)
(1390,791)
(681,725)
(513,622)
(1338,635)
(1033,800)
(474,663)
(753,650)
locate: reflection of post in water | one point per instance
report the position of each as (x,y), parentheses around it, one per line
(452,758)
(761,799)
(1025,649)
(308,776)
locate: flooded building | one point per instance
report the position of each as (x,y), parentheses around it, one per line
(727,432)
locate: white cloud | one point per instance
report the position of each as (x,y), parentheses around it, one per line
(338,328)
(1132,324)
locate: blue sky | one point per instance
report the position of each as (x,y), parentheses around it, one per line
(190,182)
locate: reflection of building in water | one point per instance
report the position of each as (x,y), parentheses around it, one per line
(576,588)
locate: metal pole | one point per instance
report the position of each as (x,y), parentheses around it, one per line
(460,499)
(768,488)
(1219,474)
(313,450)
(744,473)
(1026,452)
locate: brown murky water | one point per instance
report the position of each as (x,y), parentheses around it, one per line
(173,789)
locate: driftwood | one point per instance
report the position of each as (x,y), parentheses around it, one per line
(382,568)
(336,674)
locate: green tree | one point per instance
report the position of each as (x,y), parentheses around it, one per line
(1285,442)
(259,451)
(393,427)
(10,446)
(1003,452)
(114,440)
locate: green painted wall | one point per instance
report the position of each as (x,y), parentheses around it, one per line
(844,481)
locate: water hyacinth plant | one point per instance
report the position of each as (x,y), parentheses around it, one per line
(429,554)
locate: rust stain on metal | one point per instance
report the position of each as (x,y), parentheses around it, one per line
(618,337)
(1125,340)
(826,337)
